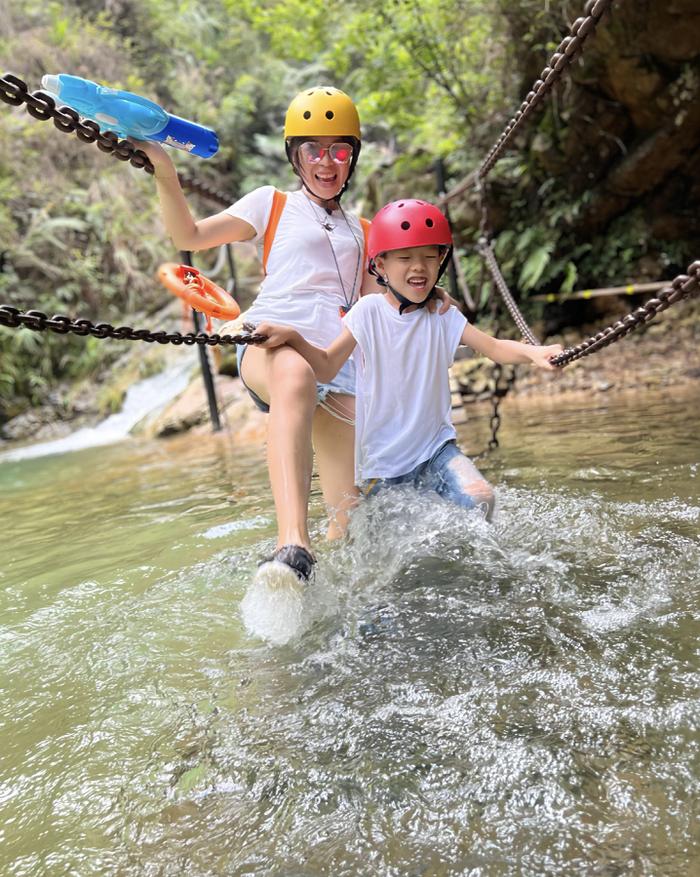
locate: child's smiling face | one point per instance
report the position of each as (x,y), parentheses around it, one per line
(413,271)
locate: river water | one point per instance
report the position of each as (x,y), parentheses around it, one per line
(461,698)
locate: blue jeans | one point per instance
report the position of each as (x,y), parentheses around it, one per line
(343,383)
(450,473)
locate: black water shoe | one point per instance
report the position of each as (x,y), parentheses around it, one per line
(290,564)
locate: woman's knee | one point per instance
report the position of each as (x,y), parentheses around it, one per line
(291,377)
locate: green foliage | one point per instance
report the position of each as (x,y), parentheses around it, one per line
(432,78)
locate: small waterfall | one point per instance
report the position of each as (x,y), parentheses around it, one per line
(144,398)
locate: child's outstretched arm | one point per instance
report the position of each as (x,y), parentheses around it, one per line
(513,352)
(326,363)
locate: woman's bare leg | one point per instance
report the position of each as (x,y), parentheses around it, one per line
(335,459)
(283,379)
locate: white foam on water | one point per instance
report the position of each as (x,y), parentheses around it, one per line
(233,526)
(279,609)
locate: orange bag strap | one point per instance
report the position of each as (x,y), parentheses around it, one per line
(365,223)
(279,199)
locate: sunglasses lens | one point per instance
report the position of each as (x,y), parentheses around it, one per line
(312,152)
(341,152)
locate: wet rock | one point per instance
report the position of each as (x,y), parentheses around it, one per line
(191,410)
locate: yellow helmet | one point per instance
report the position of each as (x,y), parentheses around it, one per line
(322,111)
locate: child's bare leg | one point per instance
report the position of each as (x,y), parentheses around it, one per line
(283,379)
(480,491)
(335,459)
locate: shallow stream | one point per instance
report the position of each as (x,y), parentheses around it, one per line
(462,699)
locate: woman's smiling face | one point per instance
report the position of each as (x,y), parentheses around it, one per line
(325,177)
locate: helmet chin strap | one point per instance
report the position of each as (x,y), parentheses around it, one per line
(406,302)
(325,202)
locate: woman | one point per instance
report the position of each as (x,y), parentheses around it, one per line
(315,270)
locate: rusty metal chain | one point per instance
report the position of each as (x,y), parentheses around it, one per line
(569,49)
(498,389)
(499,392)
(485,250)
(38,321)
(681,287)
(42,106)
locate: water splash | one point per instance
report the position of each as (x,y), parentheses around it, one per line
(280,609)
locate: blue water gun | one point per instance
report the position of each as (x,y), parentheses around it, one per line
(130,115)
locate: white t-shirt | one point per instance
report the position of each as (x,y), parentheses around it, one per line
(403,402)
(302,288)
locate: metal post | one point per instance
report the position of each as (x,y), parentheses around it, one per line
(233,280)
(204,361)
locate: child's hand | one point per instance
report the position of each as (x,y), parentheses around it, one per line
(541,355)
(276,336)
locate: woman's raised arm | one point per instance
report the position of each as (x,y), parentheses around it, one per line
(184,231)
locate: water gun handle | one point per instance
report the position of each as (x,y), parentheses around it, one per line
(130,115)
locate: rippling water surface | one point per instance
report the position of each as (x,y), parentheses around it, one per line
(462,699)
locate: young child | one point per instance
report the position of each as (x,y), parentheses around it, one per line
(403,431)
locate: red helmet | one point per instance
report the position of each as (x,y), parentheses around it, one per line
(408,223)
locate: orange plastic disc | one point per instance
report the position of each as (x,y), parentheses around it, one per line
(198,291)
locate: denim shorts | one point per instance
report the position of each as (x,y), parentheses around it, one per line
(343,383)
(448,472)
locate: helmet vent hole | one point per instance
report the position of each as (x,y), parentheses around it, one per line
(405,225)
(429,223)
(329,114)
(307,115)
(400,205)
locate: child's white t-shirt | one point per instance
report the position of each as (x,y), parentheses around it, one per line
(302,288)
(403,404)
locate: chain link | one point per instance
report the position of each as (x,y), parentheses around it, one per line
(569,49)
(498,394)
(485,250)
(42,106)
(38,321)
(681,287)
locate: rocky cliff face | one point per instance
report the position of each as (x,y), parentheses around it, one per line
(623,133)
(648,59)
